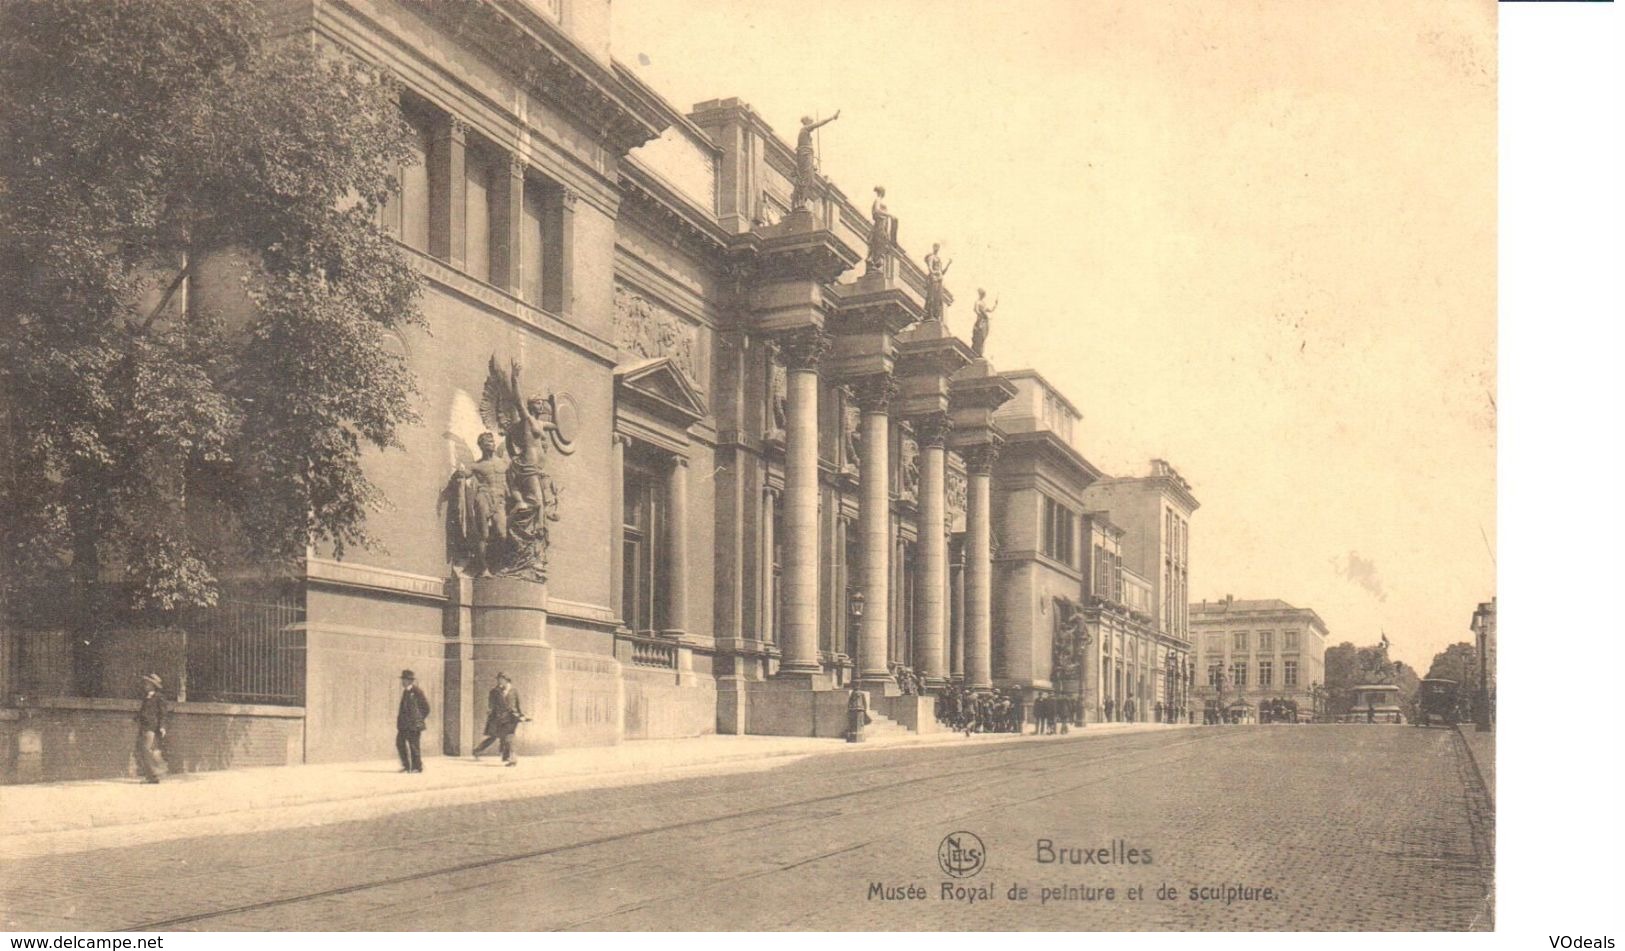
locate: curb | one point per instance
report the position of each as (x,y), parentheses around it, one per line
(352,805)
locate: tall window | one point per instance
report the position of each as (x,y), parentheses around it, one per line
(1266,673)
(640,569)
(1238,673)
(1266,641)
(532,240)
(1239,642)
(1291,641)
(1059,524)
(1289,673)
(1214,671)
(406,214)
(477,167)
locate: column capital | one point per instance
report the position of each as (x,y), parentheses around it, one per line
(517,166)
(679,462)
(620,439)
(803,349)
(933,430)
(568,197)
(452,128)
(874,393)
(979,460)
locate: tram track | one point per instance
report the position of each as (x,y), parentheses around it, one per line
(984,762)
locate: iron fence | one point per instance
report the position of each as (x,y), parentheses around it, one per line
(248,649)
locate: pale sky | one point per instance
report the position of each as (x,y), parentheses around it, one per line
(1256,239)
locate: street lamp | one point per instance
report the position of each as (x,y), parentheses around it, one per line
(854,610)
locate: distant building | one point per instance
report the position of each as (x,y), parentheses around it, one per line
(1042,556)
(1138,584)
(1260,651)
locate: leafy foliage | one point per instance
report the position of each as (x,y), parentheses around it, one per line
(1458,662)
(146,142)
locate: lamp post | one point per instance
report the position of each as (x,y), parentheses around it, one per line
(854,610)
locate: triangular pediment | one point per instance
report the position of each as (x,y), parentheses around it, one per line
(661,382)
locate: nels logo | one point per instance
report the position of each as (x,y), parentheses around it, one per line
(961,854)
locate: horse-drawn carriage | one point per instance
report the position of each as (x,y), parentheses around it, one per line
(1439,701)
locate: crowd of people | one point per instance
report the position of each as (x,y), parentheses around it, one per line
(996,711)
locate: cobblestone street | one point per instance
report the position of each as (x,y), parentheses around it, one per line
(1349,827)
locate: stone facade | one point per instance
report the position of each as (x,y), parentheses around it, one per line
(1265,649)
(745,427)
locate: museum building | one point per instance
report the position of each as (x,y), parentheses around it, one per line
(697,452)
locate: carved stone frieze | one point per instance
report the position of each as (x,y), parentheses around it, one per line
(958,492)
(648,330)
(778,393)
(908,464)
(851,433)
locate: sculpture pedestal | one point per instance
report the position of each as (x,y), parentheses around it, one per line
(510,636)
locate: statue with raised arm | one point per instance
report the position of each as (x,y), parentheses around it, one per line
(883,231)
(978,334)
(528,427)
(936,270)
(806,184)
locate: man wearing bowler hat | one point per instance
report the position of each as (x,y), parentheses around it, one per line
(149,726)
(502,716)
(409,721)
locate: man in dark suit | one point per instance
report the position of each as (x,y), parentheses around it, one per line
(409,721)
(502,717)
(150,727)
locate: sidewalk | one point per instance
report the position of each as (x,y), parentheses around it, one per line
(1482,747)
(52,818)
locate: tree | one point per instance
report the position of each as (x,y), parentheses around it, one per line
(147,142)
(1342,675)
(1458,662)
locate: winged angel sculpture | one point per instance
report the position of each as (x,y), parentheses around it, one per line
(505,500)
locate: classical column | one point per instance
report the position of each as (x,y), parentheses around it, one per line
(448,191)
(956,586)
(507,224)
(617,516)
(874,395)
(979,569)
(931,626)
(802,351)
(765,634)
(558,254)
(677,546)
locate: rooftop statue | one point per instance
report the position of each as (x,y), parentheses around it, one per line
(978,337)
(936,270)
(806,183)
(883,233)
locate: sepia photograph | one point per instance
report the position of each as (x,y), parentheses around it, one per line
(748,465)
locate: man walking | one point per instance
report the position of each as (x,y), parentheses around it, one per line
(409,722)
(150,727)
(502,717)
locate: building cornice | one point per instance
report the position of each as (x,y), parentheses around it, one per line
(646,198)
(620,114)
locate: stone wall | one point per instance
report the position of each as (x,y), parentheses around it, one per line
(64,739)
